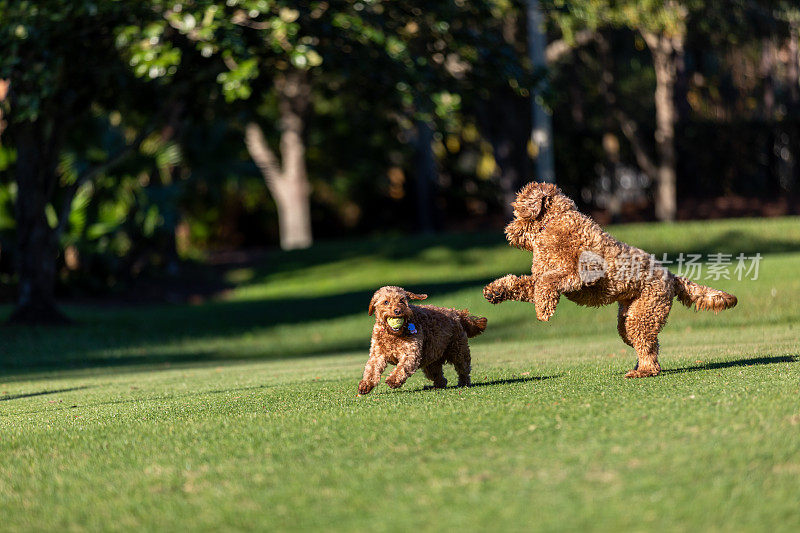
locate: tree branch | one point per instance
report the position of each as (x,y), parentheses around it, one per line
(556,50)
(262,154)
(631,132)
(653,41)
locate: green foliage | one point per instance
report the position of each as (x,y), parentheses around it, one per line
(59,53)
(655,16)
(250,36)
(719,21)
(408,42)
(8,196)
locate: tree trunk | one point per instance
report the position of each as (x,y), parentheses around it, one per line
(288,180)
(663,50)
(294,92)
(294,213)
(542,131)
(3,93)
(37,242)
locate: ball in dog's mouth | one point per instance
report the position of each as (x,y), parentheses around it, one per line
(395,323)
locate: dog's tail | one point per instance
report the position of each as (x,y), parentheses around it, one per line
(703,298)
(473,325)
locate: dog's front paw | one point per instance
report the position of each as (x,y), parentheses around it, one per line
(365,386)
(494,293)
(644,371)
(394,381)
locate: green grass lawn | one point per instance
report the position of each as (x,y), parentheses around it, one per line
(242,412)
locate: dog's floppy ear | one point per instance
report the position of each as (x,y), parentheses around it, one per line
(532,204)
(414,296)
(529,207)
(372,303)
(526,209)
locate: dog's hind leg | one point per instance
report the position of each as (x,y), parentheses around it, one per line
(644,319)
(458,354)
(435,373)
(622,316)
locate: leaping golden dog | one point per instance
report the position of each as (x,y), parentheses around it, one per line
(573,256)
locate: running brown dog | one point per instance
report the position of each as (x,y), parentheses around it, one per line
(573,256)
(417,336)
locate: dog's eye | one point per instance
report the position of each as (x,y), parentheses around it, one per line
(386,302)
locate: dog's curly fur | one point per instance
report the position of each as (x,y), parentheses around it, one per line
(573,256)
(440,337)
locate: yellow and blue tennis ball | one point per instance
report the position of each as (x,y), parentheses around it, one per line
(394,323)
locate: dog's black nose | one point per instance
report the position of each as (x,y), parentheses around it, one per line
(397,311)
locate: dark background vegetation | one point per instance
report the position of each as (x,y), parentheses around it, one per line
(138,137)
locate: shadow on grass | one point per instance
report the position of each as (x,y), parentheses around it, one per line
(508,381)
(151,361)
(752,361)
(140,400)
(5,398)
(511,381)
(157,361)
